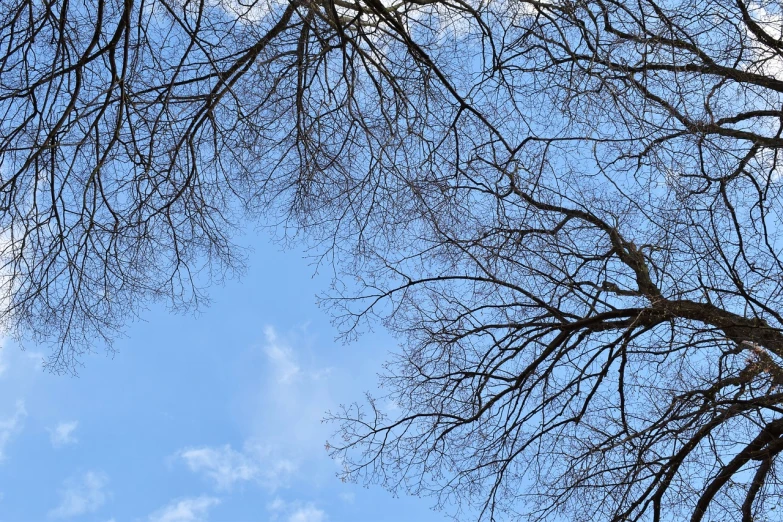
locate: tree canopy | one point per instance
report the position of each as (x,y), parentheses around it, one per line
(568,210)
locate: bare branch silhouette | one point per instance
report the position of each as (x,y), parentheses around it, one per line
(569,211)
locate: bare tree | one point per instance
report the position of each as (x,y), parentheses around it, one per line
(570,211)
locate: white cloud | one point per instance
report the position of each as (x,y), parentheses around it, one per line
(13,356)
(248,11)
(266,459)
(766,60)
(62,434)
(278,504)
(308,513)
(37,358)
(293,397)
(295,511)
(281,356)
(11,426)
(284,403)
(193,509)
(226,466)
(82,494)
(222,464)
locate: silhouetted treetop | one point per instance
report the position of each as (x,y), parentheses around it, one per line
(569,211)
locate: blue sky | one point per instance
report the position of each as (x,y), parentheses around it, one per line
(208,418)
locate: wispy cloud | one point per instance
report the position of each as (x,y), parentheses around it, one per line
(11,426)
(226,466)
(295,511)
(249,12)
(62,434)
(81,494)
(308,513)
(222,464)
(349,497)
(288,407)
(295,392)
(37,359)
(13,356)
(293,400)
(286,368)
(192,509)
